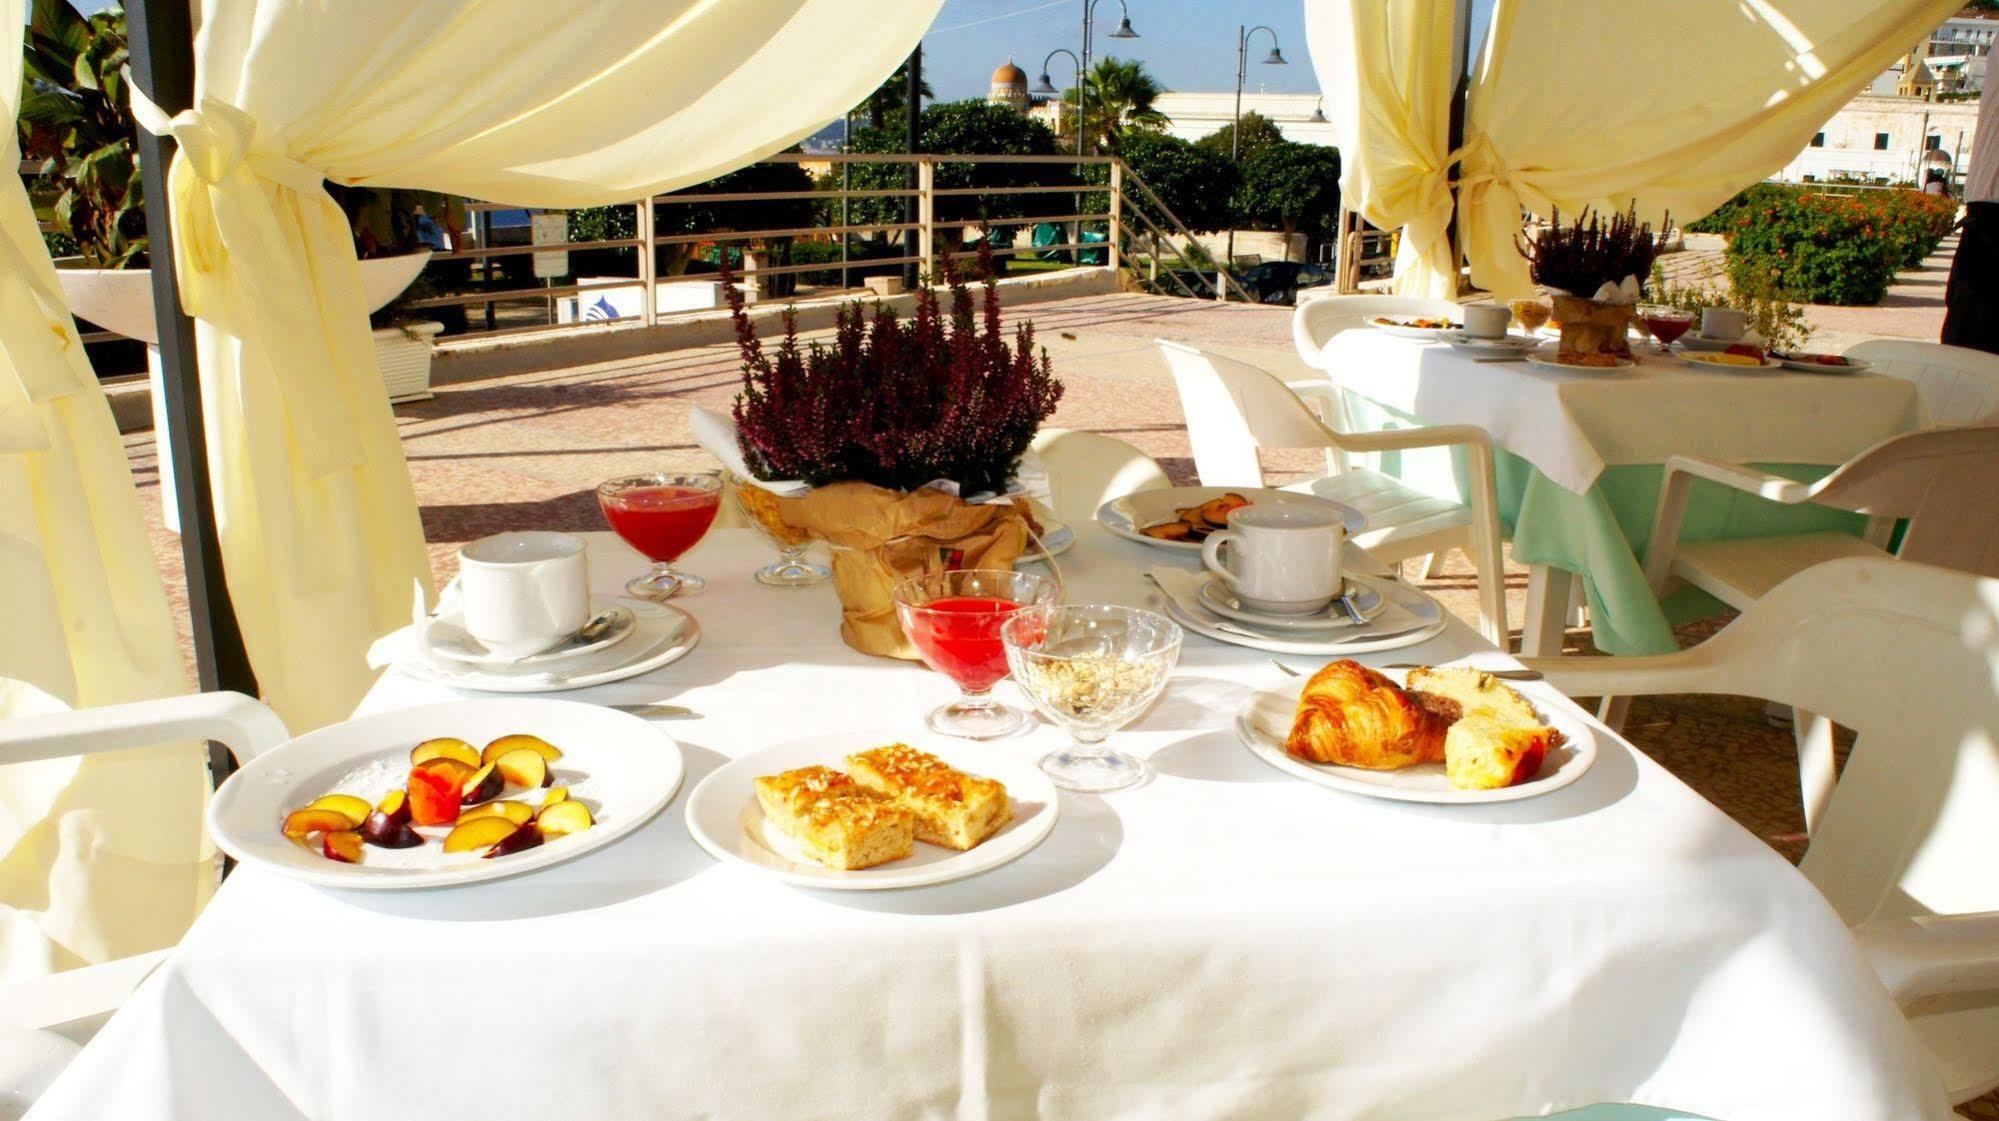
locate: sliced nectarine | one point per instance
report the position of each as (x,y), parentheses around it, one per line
(520,813)
(434,797)
(548,751)
(445,747)
(523,837)
(479,833)
(562,819)
(343,845)
(485,785)
(524,767)
(555,794)
(298,823)
(356,808)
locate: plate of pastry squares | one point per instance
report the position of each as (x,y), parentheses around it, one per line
(868,813)
(1439,734)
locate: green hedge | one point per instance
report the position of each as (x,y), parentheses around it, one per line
(1786,243)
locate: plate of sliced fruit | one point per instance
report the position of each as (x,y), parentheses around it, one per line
(446,794)
(1181,518)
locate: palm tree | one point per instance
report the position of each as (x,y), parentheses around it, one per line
(1118,94)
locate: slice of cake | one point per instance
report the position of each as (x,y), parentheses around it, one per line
(951,808)
(834,820)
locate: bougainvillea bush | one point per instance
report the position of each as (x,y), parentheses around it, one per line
(1833,249)
(897,403)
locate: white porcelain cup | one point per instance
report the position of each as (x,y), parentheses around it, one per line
(1723,323)
(524,592)
(1487,321)
(1282,558)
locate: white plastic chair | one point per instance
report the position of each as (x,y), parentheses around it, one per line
(1908,656)
(1086,470)
(1957,385)
(1234,409)
(42,1020)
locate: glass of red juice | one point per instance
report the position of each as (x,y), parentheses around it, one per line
(662,515)
(953,619)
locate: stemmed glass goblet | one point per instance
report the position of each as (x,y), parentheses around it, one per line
(662,514)
(1091,668)
(953,619)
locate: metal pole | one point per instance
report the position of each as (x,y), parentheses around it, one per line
(914,97)
(162,50)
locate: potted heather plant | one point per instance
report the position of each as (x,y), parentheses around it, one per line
(1594,271)
(896,441)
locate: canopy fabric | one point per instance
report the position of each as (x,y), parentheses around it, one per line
(1385,70)
(495,99)
(1577,104)
(87,624)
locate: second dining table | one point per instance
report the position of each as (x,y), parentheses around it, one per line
(1581,456)
(1223,941)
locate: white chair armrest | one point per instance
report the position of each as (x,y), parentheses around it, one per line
(242,724)
(1776,488)
(75,994)
(1928,955)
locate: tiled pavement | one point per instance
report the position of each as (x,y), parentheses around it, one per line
(526,450)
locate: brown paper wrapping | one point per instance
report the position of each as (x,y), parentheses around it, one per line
(1589,327)
(882,537)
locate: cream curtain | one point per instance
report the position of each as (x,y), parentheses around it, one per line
(1579,103)
(100,857)
(1385,71)
(583,103)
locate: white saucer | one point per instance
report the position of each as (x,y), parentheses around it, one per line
(1216,597)
(661,634)
(445,637)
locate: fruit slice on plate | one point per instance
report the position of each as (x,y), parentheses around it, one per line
(445,747)
(523,837)
(555,794)
(434,798)
(299,823)
(548,751)
(524,767)
(520,813)
(562,819)
(344,846)
(356,808)
(485,785)
(479,833)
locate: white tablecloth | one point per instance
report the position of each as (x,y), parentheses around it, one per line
(1571,426)
(1223,942)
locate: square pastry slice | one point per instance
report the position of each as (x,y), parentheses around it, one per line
(834,820)
(952,808)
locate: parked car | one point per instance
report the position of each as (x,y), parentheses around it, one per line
(1277,282)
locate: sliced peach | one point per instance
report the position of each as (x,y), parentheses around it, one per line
(395,805)
(555,794)
(356,808)
(520,813)
(548,751)
(523,837)
(484,785)
(343,845)
(298,823)
(451,769)
(434,798)
(562,819)
(445,747)
(524,767)
(479,833)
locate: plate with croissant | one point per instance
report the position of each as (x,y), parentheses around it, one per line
(1181,518)
(871,813)
(1440,734)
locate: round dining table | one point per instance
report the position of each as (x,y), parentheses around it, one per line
(1223,941)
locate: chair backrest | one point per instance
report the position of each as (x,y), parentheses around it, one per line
(1906,655)
(1958,385)
(1234,408)
(1944,480)
(1086,470)
(1316,321)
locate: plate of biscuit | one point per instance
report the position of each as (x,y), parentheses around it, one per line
(1440,734)
(867,813)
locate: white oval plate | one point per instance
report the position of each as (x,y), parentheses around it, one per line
(661,635)
(1549,361)
(445,636)
(1125,516)
(1423,334)
(1853,366)
(1216,597)
(1265,720)
(1338,644)
(725,818)
(623,768)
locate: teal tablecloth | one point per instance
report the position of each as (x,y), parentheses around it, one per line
(1600,535)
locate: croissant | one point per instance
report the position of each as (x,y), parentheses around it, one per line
(1351,715)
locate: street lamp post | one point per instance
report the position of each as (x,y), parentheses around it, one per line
(1276,58)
